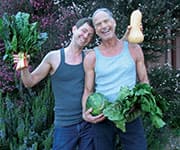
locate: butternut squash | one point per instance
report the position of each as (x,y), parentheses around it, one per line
(135,34)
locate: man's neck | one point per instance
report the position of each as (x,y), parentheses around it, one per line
(111,47)
(73,55)
(73,50)
(110,43)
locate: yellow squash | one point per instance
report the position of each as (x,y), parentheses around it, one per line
(135,35)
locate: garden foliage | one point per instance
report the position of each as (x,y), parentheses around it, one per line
(26,115)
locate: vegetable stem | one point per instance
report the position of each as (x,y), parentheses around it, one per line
(22,63)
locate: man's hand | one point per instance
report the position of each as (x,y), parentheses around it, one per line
(92,119)
(125,36)
(21,60)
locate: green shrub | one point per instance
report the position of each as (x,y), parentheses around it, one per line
(166,81)
(28,124)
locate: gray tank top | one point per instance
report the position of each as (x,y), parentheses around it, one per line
(68,85)
(112,73)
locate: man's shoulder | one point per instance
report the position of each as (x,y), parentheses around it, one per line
(136,51)
(133,45)
(53,53)
(136,48)
(87,51)
(52,56)
(90,57)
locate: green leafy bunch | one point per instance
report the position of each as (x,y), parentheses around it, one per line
(141,100)
(19,35)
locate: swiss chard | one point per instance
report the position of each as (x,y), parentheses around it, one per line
(141,100)
(20,36)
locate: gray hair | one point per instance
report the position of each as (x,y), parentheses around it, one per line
(103,10)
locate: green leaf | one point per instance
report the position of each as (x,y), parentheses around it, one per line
(113,112)
(123,93)
(121,125)
(157,121)
(19,35)
(133,115)
(14,42)
(5,27)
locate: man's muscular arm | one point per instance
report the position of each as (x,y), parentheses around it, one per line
(89,64)
(31,79)
(140,66)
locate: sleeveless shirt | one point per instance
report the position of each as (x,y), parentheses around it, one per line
(68,85)
(112,73)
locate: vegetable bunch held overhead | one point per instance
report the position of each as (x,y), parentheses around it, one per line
(20,36)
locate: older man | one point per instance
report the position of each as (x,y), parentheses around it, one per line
(113,64)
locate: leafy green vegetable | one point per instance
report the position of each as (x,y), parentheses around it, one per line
(19,35)
(130,104)
(98,102)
